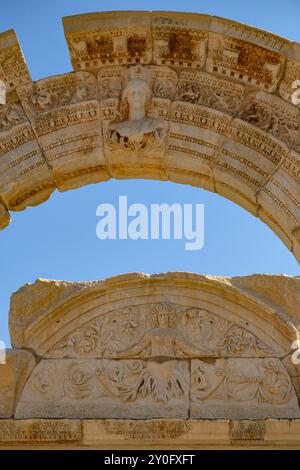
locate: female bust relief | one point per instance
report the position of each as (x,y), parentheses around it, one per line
(134,124)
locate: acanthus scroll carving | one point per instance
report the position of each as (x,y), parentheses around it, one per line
(137,331)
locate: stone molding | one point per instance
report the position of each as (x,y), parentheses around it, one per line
(216,112)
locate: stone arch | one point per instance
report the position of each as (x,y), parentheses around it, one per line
(220,116)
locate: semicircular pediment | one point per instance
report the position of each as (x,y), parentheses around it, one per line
(141,344)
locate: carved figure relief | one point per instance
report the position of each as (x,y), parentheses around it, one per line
(133,130)
(11,115)
(207,90)
(47,95)
(137,332)
(261,383)
(273,115)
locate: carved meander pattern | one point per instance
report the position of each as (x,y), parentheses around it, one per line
(147,361)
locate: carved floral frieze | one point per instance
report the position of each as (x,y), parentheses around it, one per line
(160,330)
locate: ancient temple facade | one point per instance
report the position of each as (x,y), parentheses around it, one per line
(173,360)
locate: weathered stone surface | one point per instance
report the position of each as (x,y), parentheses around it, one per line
(39,432)
(183,97)
(26,178)
(13,374)
(4,216)
(149,434)
(241,389)
(124,348)
(245,61)
(190,98)
(105,433)
(13,68)
(57,323)
(64,113)
(93,388)
(247,430)
(281,291)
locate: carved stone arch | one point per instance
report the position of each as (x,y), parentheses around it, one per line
(189,98)
(220,114)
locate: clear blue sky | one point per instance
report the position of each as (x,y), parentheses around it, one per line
(57,239)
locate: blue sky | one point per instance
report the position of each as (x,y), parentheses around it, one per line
(57,240)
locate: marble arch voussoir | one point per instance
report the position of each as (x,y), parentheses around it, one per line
(215,111)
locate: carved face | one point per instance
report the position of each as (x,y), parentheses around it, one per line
(43,99)
(137,93)
(163,319)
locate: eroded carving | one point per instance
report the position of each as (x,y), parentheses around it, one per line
(248,430)
(207,90)
(107,46)
(244,61)
(273,115)
(221,388)
(13,69)
(133,130)
(161,330)
(10,116)
(106,388)
(157,429)
(42,431)
(180,46)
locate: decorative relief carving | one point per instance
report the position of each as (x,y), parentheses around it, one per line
(179,46)
(244,61)
(273,115)
(292,165)
(291,73)
(135,388)
(50,94)
(158,429)
(248,430)
(66,102)
(13,69)
(138,332)
(109,46)
(11,115)
(164,82)
(134,129)
(200,116)
(48,431)
(106,388)
(222,389)
(247,33)
(220,337)
(271,149)
(25,176)
(160,382)
(207,90)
